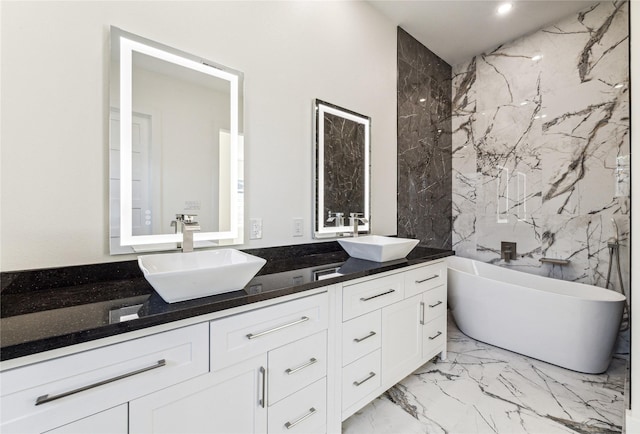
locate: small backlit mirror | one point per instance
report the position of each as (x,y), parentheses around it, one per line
(342,171)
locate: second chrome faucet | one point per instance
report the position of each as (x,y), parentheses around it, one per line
(186,225)
(355,218)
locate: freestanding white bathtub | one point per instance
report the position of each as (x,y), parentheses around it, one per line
(569,324)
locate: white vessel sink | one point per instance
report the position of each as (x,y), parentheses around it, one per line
(378,248)
(183,276)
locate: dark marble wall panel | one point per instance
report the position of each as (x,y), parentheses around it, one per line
(424,144)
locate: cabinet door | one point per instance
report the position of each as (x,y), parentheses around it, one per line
(229,401)
(112,421)
(401,340)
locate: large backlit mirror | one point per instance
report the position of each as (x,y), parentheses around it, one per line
(341,171)
(176,147)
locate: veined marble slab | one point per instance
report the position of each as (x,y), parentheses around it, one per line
(537,126)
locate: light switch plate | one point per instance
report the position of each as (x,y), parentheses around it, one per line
(255,229)
(298,227)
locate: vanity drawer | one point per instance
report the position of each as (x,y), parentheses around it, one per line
(296,365)
(55,392)
(302,412)
(424,278)
(363,297)
(360,378)
(240,337)
(360,336)
(435,303)
(434,337)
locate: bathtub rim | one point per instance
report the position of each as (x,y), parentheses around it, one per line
(612,296)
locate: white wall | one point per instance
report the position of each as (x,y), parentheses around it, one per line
(633,416)
(54,105)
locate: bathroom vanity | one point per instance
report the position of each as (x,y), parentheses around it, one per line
(310,341)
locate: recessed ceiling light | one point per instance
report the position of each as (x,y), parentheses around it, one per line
(423,99)
(618,86)
(536,57)
(504,8)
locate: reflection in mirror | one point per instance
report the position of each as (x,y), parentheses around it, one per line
(341,171)
(176,147)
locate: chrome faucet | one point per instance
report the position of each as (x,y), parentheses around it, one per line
(337,218)
(355,218)
(186,225)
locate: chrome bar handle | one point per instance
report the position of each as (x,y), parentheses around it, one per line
(359,383)
(555,261)
(371,334)
(262,401)
(47,398)
(422,313)
(275,329)
(437,304)
(310,413)
(428,278)
(377,295)
(312,361)
(436,335)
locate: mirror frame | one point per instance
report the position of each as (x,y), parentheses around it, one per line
(126,43)
(320,230)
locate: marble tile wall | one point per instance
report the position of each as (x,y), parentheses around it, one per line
(538,125)
(424,144)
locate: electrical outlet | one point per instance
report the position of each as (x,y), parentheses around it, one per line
(255,229)
(298,227)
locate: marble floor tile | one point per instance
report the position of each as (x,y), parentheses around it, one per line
(484,389)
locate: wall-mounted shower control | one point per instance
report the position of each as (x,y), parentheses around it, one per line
(507,251)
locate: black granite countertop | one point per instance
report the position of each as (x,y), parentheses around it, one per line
(46,309)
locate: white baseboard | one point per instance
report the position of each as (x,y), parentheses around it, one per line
(632,423)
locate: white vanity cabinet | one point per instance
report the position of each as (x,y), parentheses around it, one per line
(297,364)
(74,392)
(391,325)
(268,374)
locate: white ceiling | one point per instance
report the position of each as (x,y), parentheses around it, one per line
(455,30)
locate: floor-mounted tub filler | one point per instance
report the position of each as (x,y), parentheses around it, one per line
(569,324)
